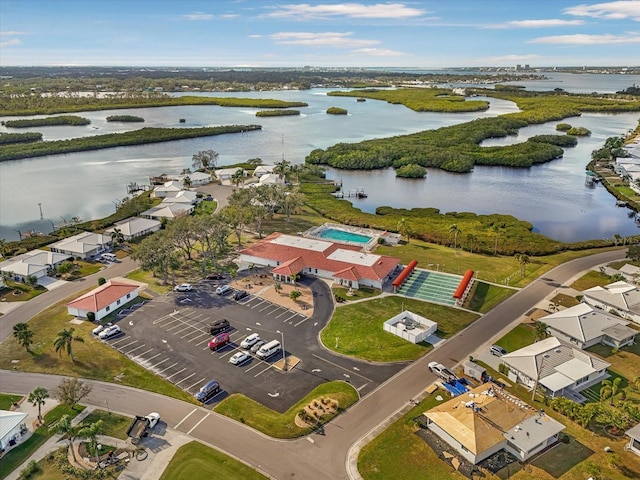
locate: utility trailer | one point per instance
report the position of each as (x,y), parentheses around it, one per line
(140,426)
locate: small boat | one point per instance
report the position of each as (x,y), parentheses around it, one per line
(620,203)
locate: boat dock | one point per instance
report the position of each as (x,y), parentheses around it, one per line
(357,193)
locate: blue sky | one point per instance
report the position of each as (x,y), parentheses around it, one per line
(265,33)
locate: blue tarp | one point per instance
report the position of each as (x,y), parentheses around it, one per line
(455,388)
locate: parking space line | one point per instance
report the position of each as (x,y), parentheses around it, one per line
(168,367)
(149,359)
(143,353)
(193,330)
(159,363)
(196,425)
(228,353)
(131,351)
(128,344)
(260,373)
(188,415)
(301,321)
(362,386)
(289,317)
(119,340)
(201,334)
(343,368)
(285,311)
(179,371)
(187,378)
(206,340)
(269,306)
(259,303)
(258,363)
(191,386)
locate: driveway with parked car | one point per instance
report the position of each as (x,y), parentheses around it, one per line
(189,338)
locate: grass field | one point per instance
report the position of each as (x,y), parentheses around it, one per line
(521,336)
(7,400)
(113,425)
(282,425)
(358,328)
(195,461)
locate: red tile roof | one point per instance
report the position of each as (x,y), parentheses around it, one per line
(292,267)
(292,257)
(100,297)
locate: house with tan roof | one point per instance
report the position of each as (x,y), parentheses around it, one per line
(84,245)
(168,211)
(344,264)
(620,297)
(103,300)
(556,368)
(485,420)
(583,326)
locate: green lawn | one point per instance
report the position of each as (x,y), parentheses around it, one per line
(84,269)
(113,425)
(485,296)
(205,208)
(93,359)
(19,292)
(18,455)
(521,336)
(155,283)
(195,461)
(359,294)
(7,400)
(358,328)
(591,279)
(399,454)
(282,425)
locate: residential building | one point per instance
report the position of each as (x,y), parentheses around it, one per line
(84,245)
(584,326)
(225,175)
(270,179)
(197,178)
(183,196)
(555,368)
(135,227)
(36,263)
(103,300)
(167,189)
(634,439)
(485,420)
(620,297)
(168,211)
(262,170)
(12,427)
(344,264)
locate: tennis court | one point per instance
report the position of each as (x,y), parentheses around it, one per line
(431,286)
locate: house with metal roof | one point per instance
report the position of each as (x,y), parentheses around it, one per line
(634,439)
(620,297)
(135,227)
(167,189)
(168,210)
(84,245)
(485,420)
(583,326)
(35,263)
(556,368)
(12,427)
(103,300)
(344,264)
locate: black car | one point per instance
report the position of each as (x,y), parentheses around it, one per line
(240,294)
(207,392)
(215,276)
(219,326)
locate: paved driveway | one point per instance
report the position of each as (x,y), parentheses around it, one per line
(169,336)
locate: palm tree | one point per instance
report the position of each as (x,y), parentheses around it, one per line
(453,229)
(610,389)
(281,168)
(471,238)
(117,236)
(495,230)
(522,259)
(238,177)
(64,342)
(404,228)
(541,330)
(23,334)
(91,432)
(65,428)
(38,397)
(616,238)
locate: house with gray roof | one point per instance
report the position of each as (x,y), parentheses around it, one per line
(35,263)
(583,326)
(135,227)
(167,189)
(634,439)
(83,245)
(619,297)
(557,368)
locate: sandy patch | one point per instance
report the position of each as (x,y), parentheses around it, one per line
(264,287)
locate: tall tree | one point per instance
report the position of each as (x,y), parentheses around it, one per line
(38,397)
(281,168)
(117,236)
(291,202)
(206,159)
(610,389)
(404,228)
(454,230)
(495,230)
(71,390)
(181,231)
(522,259)
(540,330)
(64,342)
(156,253)
(23,334)
(91,432)
(238,177)
(471,239)
(68,431)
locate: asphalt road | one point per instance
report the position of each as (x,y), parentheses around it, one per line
(332,453)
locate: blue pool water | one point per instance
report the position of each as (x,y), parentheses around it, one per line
(344,236)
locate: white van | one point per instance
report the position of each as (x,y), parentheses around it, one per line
(109,257)
(269,349)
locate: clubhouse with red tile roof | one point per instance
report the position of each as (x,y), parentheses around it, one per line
(344,264)
(103,300)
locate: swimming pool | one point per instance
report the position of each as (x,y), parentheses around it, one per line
(344,236)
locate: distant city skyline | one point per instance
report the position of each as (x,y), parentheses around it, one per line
(264,33)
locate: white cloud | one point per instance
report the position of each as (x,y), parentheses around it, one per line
(10,43)
(611,10)
(551,22)
(196,16)
(230,15)
(331,39)
(379,52)
(513,58)
(607,39)
(255,35)
(351,10)
(12,33)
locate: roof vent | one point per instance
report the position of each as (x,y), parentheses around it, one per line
(546,355)
(557,350)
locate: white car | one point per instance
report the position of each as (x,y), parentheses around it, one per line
(109,332)
(238,358)
(222,289)
(250,340)
(100,328)
(183,287)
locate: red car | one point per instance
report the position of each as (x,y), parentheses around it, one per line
(219,340)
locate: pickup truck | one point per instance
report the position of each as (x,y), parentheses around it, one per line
(140,426)
(442,371)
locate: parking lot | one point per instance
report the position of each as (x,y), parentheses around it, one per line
(170,334)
